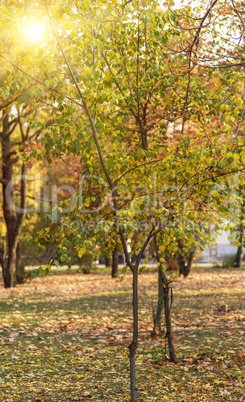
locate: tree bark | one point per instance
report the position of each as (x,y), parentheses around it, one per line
(134,344)
(114,269)
(21,275)
(3,261)
(163,281)
(167,309)
(13,220)
(239,257)
(108,262)
(184,268)
(158,317)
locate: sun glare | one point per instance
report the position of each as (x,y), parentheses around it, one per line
(33,31)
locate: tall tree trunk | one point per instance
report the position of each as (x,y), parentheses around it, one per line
(134,344)
(108,262)
(12,259)
(21,275)
(3,261)
(239,254)
(239,257)
(114,269)
(13,220)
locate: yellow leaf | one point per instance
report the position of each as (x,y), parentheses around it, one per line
(44,267)
(81,252)
(236,157)
(243,158)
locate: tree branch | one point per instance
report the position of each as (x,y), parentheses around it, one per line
(39,82)
(83,103)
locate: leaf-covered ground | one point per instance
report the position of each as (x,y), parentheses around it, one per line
(65,338)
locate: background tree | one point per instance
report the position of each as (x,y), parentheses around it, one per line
(16,131)
(128,90)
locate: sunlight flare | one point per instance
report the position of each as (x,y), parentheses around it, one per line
(33,30)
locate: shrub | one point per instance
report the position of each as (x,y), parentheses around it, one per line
(228,261)
(86,261)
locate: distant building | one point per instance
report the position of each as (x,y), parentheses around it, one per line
(218,251)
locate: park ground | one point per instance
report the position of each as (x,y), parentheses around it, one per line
(65,337)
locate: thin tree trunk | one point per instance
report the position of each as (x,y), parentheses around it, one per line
(114,269)
(158,317)
(167,306)
(239,254)
(167,309)
(134,343)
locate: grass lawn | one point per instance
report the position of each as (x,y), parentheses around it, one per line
(65,337)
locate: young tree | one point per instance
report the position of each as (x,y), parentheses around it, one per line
(139,72)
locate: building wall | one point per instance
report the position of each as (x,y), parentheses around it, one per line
(218,251)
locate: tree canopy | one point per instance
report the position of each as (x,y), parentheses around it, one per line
(148,98)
